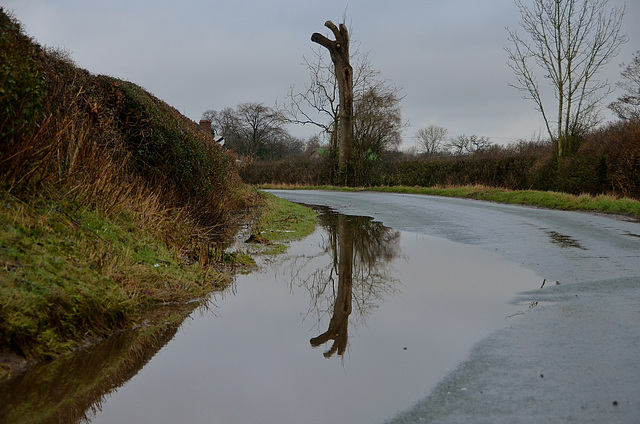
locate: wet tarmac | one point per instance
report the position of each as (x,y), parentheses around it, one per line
(573,354)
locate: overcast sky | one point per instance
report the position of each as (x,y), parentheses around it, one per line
(447,55)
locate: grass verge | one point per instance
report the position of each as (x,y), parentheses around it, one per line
(543,199)
(70,275)
(281,221)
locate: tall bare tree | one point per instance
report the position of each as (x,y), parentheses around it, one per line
(339,52)
(376,121)
(378,128)
(569,42)
(362,251)
(431,138)
(627,107)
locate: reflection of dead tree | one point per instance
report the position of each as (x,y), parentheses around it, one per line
(339,324)
(361,250)
(376,246)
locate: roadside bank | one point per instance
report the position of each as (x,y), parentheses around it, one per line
(72,276)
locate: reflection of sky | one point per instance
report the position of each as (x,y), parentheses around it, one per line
(251,361)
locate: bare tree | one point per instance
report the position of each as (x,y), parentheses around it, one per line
(569,42)
(261,125)
(627,107)
(458,145)
(431,138)
(223,123)
(478,143)
(377,121)
(252,129)
(318,103)
(339,52)
(463,144)
(378,127)
(361,250)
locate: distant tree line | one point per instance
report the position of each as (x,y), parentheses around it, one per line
(608,161)
(566,41)
(254,130)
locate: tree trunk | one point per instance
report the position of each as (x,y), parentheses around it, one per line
(339,51)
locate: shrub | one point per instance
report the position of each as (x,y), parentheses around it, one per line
(617,148)
(21,81)
(290,170)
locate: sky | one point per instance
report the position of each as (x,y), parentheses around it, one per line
(447,55)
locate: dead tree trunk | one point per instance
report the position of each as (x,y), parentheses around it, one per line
(339,50)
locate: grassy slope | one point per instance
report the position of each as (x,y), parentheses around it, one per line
(65,272)
(70,273)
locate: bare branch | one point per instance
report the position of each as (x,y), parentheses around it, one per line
(569,42)
(627,107)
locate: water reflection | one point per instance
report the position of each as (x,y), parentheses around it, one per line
(250,361)
(362,250)
(65,389)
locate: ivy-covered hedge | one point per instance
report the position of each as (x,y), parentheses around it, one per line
(49,105)
(22,86)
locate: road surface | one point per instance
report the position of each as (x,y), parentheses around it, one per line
(574,354)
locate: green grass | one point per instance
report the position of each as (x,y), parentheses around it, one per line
(281,220)
(68,274)
(543,199)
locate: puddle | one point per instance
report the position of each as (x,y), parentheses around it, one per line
(352,324)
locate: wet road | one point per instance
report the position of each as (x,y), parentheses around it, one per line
(574,354)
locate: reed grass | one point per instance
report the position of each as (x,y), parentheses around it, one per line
(88,248)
